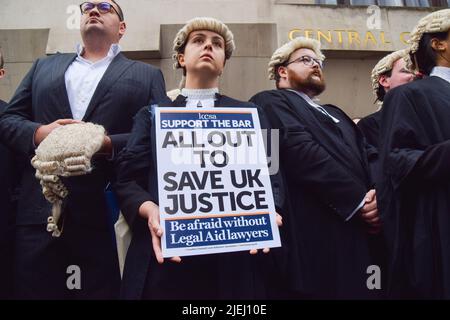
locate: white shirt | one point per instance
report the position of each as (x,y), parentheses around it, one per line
(315,105)
(82,78)
(441,72)
(198,98)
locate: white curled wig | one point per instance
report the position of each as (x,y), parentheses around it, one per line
(438,21)
(282,54)
(202,23)
(384,65)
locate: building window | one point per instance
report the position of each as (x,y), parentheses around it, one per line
(391,3)
(362,2)
(335,2)
(388,3)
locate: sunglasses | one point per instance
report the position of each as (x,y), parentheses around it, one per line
(102,7)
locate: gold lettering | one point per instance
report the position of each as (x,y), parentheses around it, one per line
(383,39)
(353,36)
(339,32)
(370,37)
(293,32)
(402,37)
(321,35)
(308,33)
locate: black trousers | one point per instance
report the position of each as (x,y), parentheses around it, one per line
(6,261)
(229,276)
(47,268)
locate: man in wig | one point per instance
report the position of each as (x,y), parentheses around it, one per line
(326,168)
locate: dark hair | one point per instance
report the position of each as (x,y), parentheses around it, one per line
(181,50)
(277,75)
(380,91)
(2,62)
(119,10)
(426,57)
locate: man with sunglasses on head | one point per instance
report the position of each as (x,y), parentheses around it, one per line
(96,84)
(326,169)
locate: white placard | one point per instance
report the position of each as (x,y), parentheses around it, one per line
(213,182)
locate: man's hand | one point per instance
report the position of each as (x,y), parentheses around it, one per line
(369,212)
(279,220)
(43,131)
(106,148)
(150,211)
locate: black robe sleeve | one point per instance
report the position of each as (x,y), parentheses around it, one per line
(370,127)
(434,163)
(276,179)
(308,162)
(414,193)
(406,152)
(133,167)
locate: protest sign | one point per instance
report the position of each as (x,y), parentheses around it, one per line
(213,182)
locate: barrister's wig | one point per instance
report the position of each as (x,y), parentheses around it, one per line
(282,54)
(435,22)
(67,151)
(202,23)
(385,65)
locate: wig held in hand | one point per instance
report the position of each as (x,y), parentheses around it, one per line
(66,152)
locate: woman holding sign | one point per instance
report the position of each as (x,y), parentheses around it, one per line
(201,48)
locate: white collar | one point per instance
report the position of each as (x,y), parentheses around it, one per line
(306,97)
(314,104)
(441,72)
(114,50)
(200,94)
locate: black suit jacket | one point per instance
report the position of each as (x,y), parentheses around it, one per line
(7,215)
(6,179)
(327,176)
(7,185)
(42,98)
(232,275)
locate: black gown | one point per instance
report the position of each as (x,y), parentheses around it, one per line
(414,193)
(327,174)
(8,181)
(217,276)
(370,126)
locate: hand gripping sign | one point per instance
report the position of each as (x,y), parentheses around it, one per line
(214,186)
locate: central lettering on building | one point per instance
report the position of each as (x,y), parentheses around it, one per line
(351,39)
